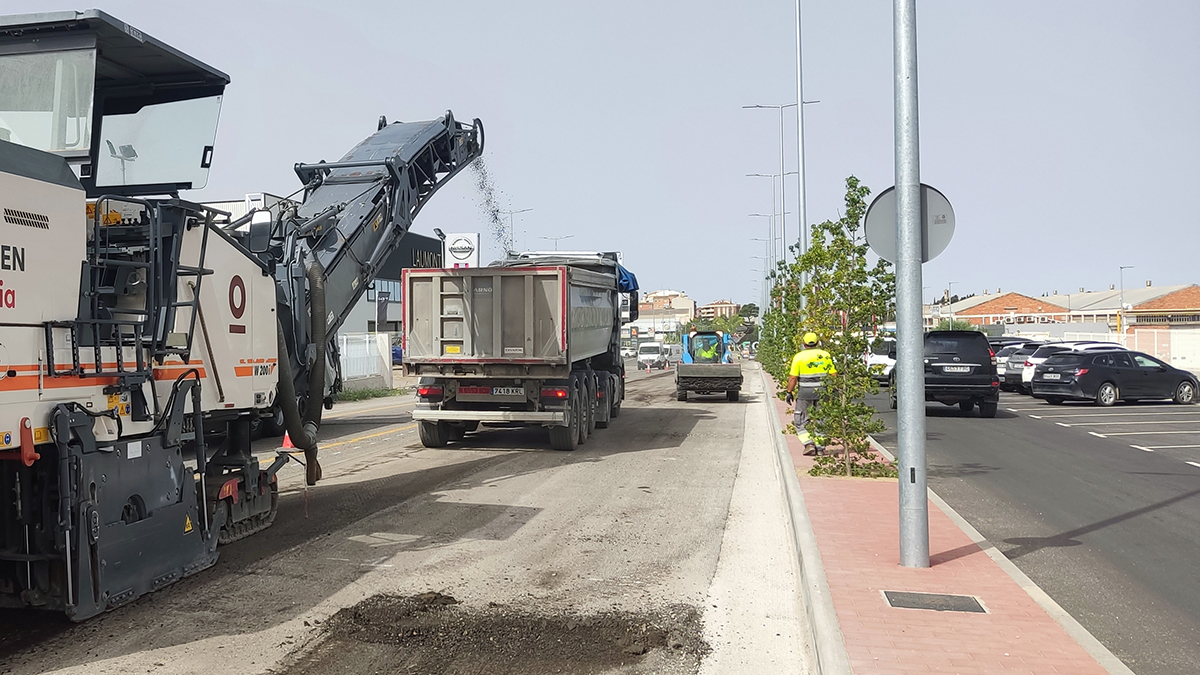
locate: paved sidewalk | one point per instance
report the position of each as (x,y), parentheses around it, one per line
(856,526)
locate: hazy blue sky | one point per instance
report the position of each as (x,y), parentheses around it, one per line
(1065,133)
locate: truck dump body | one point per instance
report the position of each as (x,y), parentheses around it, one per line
(506,321)
(534,340)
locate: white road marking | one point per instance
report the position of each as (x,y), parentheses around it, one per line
(1167,447)
(1036,417)
(1195,464)
(1102,424)
(1144,448)
(1097,435)
(1152,433)
(1117,413)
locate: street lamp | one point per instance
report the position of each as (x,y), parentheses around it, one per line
(950,293)
(782,212)
(1121,309)
(782,189)
(557,239)
(511,233)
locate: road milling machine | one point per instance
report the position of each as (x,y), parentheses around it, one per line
(138,339)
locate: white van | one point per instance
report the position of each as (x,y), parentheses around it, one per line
(652,355)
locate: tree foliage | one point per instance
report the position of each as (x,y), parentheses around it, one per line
(955,324)
(748,310)
(845,302)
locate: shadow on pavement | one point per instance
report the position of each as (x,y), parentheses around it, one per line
(1026,545)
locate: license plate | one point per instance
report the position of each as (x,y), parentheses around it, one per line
(1051,376)
(474,391)
(956,369)
(508,391)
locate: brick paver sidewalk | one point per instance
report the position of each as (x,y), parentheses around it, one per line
(856,525)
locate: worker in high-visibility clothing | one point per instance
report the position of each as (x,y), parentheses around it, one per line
(707,350)
(807,372)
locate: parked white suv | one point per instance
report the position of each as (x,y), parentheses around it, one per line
(879,360)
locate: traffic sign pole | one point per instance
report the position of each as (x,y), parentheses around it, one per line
(910,370)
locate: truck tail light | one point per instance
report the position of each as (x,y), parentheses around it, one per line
(555,393)
(432,392)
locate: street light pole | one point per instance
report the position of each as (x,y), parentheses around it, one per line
(782,241)
(1121,309)
(511,232)
(557,239)
(782,172)
(950,298)
(909,369)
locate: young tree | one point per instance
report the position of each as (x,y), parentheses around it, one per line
(845,301)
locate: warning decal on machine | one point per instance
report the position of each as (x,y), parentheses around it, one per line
(187,523)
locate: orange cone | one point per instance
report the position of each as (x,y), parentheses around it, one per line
(287,441)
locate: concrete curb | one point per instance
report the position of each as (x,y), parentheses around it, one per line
(1090,644)
(829,646)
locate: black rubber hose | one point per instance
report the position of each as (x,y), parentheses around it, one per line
(303,432)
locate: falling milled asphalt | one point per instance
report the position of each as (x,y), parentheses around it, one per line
(676,505)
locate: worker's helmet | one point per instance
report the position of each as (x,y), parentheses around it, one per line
(810,339)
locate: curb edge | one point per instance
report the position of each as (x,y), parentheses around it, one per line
(1090,644)
(829,645)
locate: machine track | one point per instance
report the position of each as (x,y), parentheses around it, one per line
(232,532)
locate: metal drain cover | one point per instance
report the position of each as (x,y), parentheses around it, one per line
(935,601)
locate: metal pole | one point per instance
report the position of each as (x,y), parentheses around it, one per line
(950,298)
(1121,309)
(782,191)
(803,198)
(914,509)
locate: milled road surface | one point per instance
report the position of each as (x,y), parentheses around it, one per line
(662,544)
(1099,506)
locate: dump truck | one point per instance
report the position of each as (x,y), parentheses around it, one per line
(141,338)
(534,339)
(707,366)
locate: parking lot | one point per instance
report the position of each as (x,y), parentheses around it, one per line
(1162,427)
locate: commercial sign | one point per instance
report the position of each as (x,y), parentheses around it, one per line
(462,250)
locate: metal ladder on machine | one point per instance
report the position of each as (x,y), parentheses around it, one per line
(112,260)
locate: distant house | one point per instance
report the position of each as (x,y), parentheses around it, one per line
(720,308)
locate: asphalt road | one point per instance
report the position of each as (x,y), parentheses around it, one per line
(676,505)
(1100,507)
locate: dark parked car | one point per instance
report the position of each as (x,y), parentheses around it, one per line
(1010,376)
(960,369)
(1108,377)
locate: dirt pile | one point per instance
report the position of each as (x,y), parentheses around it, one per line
(434,633)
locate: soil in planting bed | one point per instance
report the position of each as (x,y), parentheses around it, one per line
(434,634)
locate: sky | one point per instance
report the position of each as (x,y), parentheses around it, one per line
(1065,134)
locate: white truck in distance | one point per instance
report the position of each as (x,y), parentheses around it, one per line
(532,340)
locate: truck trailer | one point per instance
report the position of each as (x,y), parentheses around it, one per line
(534,339)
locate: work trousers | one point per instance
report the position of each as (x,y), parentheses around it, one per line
(800,418)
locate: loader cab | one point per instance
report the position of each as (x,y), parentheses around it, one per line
(131,115)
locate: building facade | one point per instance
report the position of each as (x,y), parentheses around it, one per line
(720,308)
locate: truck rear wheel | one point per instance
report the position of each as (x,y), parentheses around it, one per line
(434,434)
(567,438)
(583,409)
(731,395)
(605,403)
(592,404)
(681,394)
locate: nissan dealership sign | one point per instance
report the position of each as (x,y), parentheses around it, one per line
(462,250)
